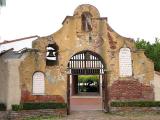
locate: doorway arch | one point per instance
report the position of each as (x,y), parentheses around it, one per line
(86,63)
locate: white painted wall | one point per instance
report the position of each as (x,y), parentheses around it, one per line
(10,92)
(157,86)
(13,85)
(3,80)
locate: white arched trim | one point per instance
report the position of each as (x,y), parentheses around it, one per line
(125,62)
(38,83)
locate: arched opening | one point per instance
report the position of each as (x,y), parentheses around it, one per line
(86,21)
(86,76)
(52,54)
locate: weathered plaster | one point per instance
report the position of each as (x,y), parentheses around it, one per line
(71,39)
(102,40)
(156,84)
(3,80)
(13,85)
(10,92)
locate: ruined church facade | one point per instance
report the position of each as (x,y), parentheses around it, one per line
(85,45)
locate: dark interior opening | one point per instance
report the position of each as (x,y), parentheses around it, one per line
(52,54)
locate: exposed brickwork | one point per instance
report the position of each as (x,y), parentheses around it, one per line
(111,41)
(102,40)
(130,90)
(26,96)
(20,115)
(134,109)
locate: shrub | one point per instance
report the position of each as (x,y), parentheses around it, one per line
(2,107)
(31,106)
(86,78)
(135,104)
(34,106)
(17,107)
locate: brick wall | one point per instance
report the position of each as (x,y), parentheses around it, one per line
(134,109)
(26,96)
(130,90)
(19,115)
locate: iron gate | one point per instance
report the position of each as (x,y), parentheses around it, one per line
(85,63)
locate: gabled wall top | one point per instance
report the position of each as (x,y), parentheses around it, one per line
(86,8)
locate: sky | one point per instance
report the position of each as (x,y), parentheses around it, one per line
(130,18)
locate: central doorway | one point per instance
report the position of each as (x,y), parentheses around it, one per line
(86,82)
(86,85)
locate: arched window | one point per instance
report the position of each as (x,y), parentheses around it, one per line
(125,62)
(38,83)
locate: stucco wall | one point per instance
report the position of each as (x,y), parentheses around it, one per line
(16,73)
(3,80)
(71,39)
(13,86)
(10,91)
(157,86)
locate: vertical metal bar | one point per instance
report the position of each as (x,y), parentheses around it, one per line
(90,62)
(73,62)
(93,62)
(100,67)
(96,62)
(81,61)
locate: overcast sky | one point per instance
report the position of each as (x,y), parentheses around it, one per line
(130,18)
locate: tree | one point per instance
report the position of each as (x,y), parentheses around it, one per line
(2,3)
(152,51)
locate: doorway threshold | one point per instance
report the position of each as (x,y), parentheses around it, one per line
(76,96)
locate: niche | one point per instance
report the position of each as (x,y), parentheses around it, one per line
(52,54)
(86,22)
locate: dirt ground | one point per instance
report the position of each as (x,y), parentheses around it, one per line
(99,115)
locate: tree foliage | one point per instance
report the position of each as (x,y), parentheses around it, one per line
(2,3)
(86,78)
(152,51)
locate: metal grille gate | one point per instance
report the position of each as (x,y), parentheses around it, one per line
(85,63)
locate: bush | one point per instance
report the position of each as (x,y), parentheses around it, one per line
(86,78)
(31,106)
(17,107)
(34,106)
(2,107)
(135,104)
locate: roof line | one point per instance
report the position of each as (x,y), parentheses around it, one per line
(19,39)
(4,51)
